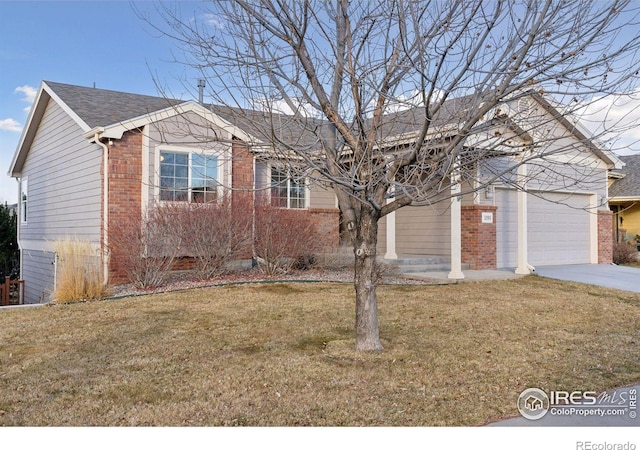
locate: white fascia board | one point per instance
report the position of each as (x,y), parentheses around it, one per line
(45,93)
(635,198)
(116,131)
(37,110)
(81,123)
(91,134)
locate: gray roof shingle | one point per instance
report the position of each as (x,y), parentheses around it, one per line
(101,107)
(629,186)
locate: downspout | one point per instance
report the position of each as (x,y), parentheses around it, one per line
(19,224)
(105,208)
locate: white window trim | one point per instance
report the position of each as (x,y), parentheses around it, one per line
(307,194)
(24,212)
(223,169)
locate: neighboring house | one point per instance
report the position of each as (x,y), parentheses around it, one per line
(624,198)
(89,158)
(13,208)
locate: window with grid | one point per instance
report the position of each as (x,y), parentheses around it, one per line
(287,192)
(188,177)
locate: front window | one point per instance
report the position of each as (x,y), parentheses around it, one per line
(188,177)
(287,192)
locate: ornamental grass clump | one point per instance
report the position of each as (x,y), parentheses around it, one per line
(78,271)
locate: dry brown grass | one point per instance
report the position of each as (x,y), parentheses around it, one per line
(79,271)
(280,354)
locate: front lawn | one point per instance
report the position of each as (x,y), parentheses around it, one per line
(281,354)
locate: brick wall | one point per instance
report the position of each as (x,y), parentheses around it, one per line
(327,222)
(241,172)
(125,184)
(478,239)
(605,237)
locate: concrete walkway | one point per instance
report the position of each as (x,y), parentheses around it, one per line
(469,275)
(607,275)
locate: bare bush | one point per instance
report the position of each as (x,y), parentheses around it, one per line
(146,248)
(283,237)
(624,253)
(216,233)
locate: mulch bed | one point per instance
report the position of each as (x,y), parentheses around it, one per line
(182,281)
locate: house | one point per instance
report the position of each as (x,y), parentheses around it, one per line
(89,158)
(560,217)
(624,198)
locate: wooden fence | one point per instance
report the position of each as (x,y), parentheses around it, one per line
(11,292)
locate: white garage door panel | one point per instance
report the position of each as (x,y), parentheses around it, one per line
(506,228)
(558,229)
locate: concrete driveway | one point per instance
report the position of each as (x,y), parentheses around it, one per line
(608,275)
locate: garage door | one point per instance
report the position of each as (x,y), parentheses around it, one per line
(558,229)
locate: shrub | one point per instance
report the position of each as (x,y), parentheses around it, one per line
(146,247)
(216,233)
(282,237)
(78,271)
(624,253)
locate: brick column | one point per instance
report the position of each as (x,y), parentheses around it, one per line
(605,237)
(242,182)
(125,181)
(479,239)
(242,175)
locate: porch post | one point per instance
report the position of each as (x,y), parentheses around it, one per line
(593,228)
(391,232)
(456,228)
(391,236)
(523,265)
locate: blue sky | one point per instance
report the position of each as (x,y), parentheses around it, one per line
(101,42)
(82,43)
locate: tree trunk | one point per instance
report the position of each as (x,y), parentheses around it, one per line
(367,330)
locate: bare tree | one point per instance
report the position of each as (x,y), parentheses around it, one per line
(396,102)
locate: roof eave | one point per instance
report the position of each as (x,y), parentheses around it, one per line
(45,93)
(625,198)
(116,130)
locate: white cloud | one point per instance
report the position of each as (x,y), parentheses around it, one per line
(28,91)
(10,125)
(615,119)
(213,20)
(282,107)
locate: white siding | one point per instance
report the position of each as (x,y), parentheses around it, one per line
(65,197)
(65,187)
(38,272)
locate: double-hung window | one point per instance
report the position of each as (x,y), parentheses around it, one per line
(286,191)
(188,177)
